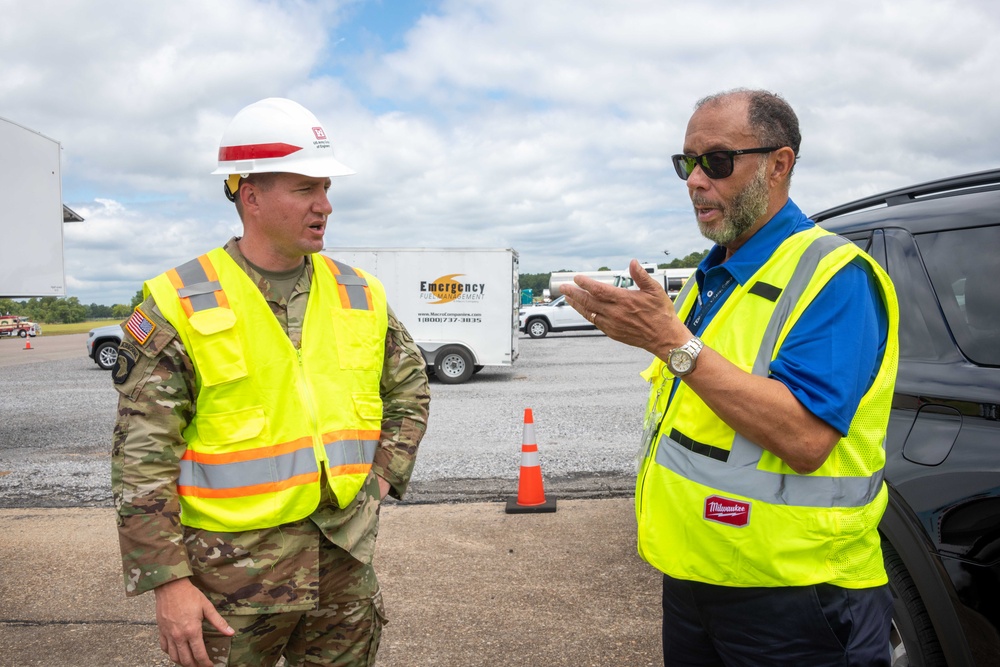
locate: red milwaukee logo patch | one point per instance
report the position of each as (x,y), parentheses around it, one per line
(728,511)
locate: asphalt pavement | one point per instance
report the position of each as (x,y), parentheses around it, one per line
(465,584)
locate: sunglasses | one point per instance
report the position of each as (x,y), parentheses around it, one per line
(715,164)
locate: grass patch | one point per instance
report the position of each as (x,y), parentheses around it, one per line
(75,328)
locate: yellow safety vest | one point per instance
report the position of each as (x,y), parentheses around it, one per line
(716,508)
(268,416)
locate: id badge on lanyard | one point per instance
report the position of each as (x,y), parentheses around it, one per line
(651,423)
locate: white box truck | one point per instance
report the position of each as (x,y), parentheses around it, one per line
(31,214)
(459,304)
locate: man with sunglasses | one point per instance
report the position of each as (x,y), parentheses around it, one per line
(760,485)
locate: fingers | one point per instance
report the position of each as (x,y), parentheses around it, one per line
(199,655)
(580,300)
(600,290)
(573,293)
(589,295)
(220,624)
(199,652)
(643,280)
(180,608)
(189,654)
(179,652)
(186,653)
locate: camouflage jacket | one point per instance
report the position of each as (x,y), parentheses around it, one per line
(260,571)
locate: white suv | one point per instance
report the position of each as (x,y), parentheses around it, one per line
(102,345)
(537,320)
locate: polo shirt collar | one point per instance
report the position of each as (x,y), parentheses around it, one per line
(758,249)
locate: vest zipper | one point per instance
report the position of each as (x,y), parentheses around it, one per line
(307,398)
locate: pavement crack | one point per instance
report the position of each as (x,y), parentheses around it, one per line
(29,623)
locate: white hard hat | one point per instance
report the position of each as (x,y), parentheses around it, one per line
(277,135)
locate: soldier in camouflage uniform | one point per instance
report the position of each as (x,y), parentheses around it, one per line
(304,590)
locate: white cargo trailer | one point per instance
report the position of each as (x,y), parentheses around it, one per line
(459,304)
(31,214)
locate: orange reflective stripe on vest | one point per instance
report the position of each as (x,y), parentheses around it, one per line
(353,287)
(198,286)
(248,472)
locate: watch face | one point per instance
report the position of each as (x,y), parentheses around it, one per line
(680,361)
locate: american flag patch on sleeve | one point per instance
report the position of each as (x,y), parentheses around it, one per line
(140,326)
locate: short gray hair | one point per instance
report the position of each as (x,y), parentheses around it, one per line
(769,116)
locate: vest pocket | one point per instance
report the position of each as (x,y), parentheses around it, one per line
(217,347)
(368,406)
(359,346)
(227,427)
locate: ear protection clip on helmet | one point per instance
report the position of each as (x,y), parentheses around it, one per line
(232,185)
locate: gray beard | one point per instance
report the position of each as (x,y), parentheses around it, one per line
(739,217)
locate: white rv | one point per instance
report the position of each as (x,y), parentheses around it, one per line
(558,278)
(672,280)
(459,304)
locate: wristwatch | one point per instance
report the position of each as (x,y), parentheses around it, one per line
(682,360)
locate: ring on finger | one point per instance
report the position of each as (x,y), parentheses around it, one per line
(593,318)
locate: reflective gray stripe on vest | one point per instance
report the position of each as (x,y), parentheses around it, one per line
(688,286)
(192,274)
(189,291)
(350,452)
(267,470)
(739,474)
(354,285)
(743,451)
(768,487)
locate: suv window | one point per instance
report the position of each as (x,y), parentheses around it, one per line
(965,270)
(922,333)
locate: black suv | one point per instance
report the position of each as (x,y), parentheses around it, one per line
(940,242)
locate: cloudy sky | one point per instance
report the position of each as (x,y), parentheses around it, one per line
(541,125)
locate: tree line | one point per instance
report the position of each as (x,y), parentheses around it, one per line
(58,310)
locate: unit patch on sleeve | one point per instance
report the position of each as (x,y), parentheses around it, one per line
(127,356)
(140,326)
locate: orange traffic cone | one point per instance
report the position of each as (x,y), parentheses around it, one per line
(530,492)
(27,343)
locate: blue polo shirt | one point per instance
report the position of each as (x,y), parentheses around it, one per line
(832,354)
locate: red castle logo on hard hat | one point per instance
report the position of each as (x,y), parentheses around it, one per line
(320,134)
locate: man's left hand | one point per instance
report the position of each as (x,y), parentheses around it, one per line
(643,318)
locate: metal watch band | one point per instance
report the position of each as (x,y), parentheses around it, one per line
(693,348)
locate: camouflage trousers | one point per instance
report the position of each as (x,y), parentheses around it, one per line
(343,631)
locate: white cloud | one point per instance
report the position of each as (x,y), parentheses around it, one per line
(546,126)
